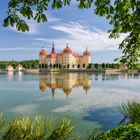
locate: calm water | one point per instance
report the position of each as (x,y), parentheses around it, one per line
(91,100)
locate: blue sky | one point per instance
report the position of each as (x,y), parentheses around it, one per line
(78,28)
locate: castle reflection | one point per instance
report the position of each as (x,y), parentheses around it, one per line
(65,82)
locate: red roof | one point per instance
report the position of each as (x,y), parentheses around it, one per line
(43,52)
(59,54)
(76,55)
(67,50)
(52,55)
(87,53)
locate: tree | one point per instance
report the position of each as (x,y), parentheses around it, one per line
(84,65)
(40,66)
(43,66)
(89,66)
(107,65)
(123,16)
(54,66)
(78,66)
(96,66)
(50,65)
(60,66)
(113,65)
(103,65)
(46,66)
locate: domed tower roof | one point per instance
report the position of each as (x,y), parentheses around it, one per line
(67,49)
(42,86)
(67,91)
(86,88)
(87,52)
(43,52)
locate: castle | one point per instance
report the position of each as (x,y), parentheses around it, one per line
(65,59)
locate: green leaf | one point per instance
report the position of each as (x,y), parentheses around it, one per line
(6,22)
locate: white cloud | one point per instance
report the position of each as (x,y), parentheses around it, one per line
(24,109)
(98,98)
(79,37)
(52,18)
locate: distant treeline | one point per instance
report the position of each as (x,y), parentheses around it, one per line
(26,64)
(32,64)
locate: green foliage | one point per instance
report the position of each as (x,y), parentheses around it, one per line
(27,129)
(62,130)
(2,122)
(78,66)
(131,50)
(128,132)
(94,135)
(96,66)
(68,65)
(84,65)
(131,112)
(36,128)
(123,15)
(89,66)
(25,64)
(30,63)
(103,65)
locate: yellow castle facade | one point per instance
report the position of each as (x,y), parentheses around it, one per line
(65,59)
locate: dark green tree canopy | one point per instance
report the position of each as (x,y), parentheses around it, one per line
(124,16)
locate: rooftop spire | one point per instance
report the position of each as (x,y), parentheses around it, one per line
(53,49)
(67,45)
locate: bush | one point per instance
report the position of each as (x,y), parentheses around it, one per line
(131,112)
(37,128)
(128,132)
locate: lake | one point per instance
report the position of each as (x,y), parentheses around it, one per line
(91,100)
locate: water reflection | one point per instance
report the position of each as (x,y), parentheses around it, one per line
(65,82)
(19,75)
(10,75)
(112,77)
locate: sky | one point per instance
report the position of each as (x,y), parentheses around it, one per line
(80,29)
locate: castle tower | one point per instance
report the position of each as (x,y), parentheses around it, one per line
(67,56)
(86,57)
(42,58)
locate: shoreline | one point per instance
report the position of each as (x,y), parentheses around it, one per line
(106,71)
